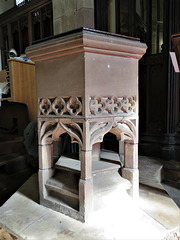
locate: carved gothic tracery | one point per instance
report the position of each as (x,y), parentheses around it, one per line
(72,106)
(124,130)
(74,130)
(112,105)
(98,130)
(60,106)
(50,131)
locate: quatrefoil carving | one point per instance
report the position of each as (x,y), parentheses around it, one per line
(74,106)
(97,105)
(60,106)
(112,105)
(45,106)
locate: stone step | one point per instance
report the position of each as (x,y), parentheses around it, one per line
(102,170)
(173,189)
(62,203)
(64,182)
(110,156)
(68,164)
(66,201)
(161,175)
(74,165)
(67,181)
(64,185)
(153,176)
(63,188)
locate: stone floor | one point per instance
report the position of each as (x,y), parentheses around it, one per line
(151,174)
(154,216)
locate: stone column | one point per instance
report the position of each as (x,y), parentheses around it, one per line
(130,170)
(46,170)
(71,14)
(86,185)
(86,181)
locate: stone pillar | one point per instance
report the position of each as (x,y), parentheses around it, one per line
(46,170)
(86,181)
(130,170)
(71,14)
(133,176)
(131,155)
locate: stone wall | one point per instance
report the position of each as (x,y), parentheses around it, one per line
(72,14)
(6,5)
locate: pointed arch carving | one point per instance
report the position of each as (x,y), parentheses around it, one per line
(125,130)
(46,130)
(98,130)
(74,130)
(51,131)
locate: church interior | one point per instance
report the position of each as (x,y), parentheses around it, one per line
(89,119)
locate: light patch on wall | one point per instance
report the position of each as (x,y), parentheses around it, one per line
(20,2)
(174,61)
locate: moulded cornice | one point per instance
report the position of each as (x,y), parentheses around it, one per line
(86,40)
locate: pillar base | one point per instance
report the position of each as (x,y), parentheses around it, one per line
(133,176)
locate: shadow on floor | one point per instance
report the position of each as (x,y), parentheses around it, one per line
(10,183)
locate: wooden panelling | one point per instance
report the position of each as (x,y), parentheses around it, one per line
(23,84)
(3,76)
